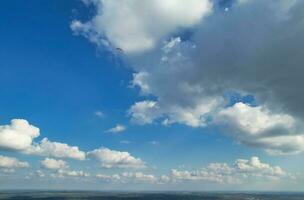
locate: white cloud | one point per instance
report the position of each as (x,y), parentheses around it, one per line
(130,24)
(189,77)
(61,169)
(256,167)
(117,129)
(10,162)
(18,135)
(99,113)
(144,112)
(40,174)
(257,126)
(241,171)
(139,80)
(254,120)
(185,76)
(61,173)
(153,142)
(171,44)
(139,176)
(56,149)
(105,177)
(127,177)
(116,159)
(50,163)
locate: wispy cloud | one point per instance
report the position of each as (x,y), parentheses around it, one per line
(99,113)
(117,129)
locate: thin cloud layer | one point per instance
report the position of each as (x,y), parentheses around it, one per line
(62,173)
(128,177)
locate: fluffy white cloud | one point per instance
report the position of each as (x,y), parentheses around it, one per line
(144,112)
(116,159)
(257,126)
(56,149)
(18,135)
(254,120)
(130,24)
(257,168)
(240,172)
(53,164)
(10,162)
(117,129)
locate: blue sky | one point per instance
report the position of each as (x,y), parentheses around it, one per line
(187,92)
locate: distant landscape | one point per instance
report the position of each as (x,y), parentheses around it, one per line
(67,195)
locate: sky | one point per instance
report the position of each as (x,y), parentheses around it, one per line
(152,95)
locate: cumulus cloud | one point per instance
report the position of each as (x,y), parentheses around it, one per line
(252,49)
(60,168)
(240,172)
(257,168)
(255,120)
(53,164)
(257,126)
(11,163)
(18,135)
(144,112)
(130,25)
(116,159)
(117,129)
(56,149)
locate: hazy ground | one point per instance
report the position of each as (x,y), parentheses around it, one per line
(24,195)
